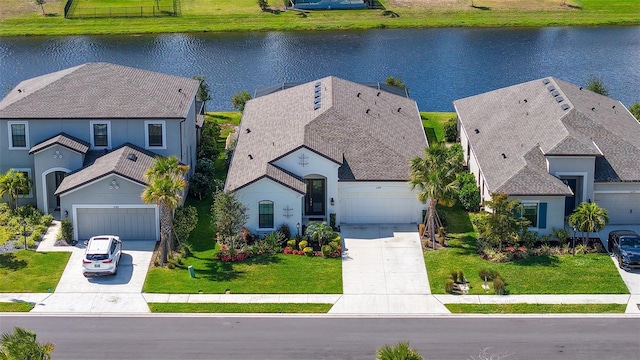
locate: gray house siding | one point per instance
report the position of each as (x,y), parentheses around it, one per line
(45,163)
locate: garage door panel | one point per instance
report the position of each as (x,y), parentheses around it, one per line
(128,223)
(376,207)
(623,209)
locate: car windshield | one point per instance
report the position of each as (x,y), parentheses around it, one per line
(95,257)
(630,243)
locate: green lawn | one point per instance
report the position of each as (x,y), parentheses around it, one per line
(30,271)
(239,308)
(537,308)
(562,274)
(15,306)
(433,123)
(20,17)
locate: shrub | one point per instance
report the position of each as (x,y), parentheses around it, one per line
(206,167)
(561,235)
(272,241)
(66,229)
(199,185)
(332,220)
(209,135)
(461,277)
(285,231)
(46,220)
(529,237)
(469,197)
(448,285)
(399,351)
(581,249)
(484,274)
(303,244)
(308,251)
(421,229)
(498,286)
(451,130)
(292,243)
(454,275)
(326,250)
(334,244)
(185,220)
(246,236)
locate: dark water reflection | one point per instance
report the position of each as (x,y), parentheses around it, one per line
(439,65)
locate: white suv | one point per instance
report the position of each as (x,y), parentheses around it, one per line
(102,255)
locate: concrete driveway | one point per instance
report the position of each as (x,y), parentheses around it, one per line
(383,272)
(121,293)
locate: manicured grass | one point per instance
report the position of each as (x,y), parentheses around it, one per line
(30,271)
(15,306)
(560,274)
(537,308)
(433,123)
(227,121)
(266,274)
(24,18)
(239,308)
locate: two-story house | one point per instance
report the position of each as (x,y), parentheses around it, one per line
(86,135)
(553,145)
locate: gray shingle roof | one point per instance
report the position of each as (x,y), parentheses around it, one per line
(100,90)
(65,140)
(557,117)
(374,132)
(128,161)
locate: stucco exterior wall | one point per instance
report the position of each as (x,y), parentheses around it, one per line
(473,166)
(100,192)
(554,211)
(570,166)
(283,198)
(46,164)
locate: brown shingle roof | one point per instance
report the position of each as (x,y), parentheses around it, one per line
(100,90)
(128,161)
(65,140)
(376,132)
(515,119)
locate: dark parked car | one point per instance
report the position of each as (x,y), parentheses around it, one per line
(625,245)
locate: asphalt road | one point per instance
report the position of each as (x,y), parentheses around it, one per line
(163,337)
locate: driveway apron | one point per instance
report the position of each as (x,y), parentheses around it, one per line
(383,272)
(120,293)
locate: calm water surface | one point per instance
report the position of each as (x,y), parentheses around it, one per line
(438,65)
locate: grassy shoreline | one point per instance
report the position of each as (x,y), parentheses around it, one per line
(244,15)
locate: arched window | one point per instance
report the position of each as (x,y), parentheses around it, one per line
(265,214)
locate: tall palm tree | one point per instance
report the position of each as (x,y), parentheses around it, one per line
(588,217)
(22,344)
(166,187)
(13,183)
(434,175)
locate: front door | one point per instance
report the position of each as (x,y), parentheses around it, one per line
(570,201)
(59,177)
(315,198)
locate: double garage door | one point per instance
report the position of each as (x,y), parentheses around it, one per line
(380,207)
(623,208)
(128,223)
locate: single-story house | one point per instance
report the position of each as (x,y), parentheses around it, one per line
(327,149)
(85,135)
(553,145)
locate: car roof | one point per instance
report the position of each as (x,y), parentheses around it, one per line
(99,244)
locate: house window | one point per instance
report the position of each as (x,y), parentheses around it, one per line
(265,214)
(155,134)
(27,174)
(18,135)
(530,212)
(100,134)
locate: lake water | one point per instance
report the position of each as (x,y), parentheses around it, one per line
(438,65)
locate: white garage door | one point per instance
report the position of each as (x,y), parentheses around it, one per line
(128,223)
(623,209)
(378,207)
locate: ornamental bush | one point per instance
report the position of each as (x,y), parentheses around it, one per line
(451,130)
(303,244)
(66,229)
(292,243)
(326,250)
(308,251)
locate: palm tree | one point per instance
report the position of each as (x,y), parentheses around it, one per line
(588,217)
(320,232)
(13,183)
(166,187)
(434,175)
(22,345)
